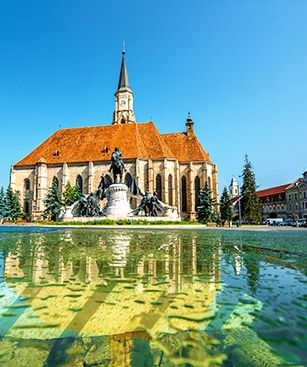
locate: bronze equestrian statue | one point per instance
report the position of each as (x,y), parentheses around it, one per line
(117,166)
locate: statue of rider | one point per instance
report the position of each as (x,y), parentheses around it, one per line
(117,165)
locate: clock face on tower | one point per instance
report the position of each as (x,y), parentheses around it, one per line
(122,102)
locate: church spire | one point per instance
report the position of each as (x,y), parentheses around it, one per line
(123,113)
(123,82)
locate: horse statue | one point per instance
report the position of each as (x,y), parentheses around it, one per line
(117,166)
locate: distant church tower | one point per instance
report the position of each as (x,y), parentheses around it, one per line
(123,113)
(234,188)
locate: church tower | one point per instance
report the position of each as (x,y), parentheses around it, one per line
(123,113)
(234,188)
(189,126)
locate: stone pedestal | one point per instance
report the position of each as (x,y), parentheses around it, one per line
(66,214)
(117,206)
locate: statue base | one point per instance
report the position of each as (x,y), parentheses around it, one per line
(66,214)
(117,206)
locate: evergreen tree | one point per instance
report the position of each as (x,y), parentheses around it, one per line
(252,266)
(16,207)
(225,207)
(53,203)
(2,203)
(250,203)
(206,204)
(12,209)
(71,194)
(8,199)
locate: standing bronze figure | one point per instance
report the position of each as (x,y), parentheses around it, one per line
(117,166)
(150,205)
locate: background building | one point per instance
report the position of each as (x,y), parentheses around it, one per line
(285,201)
(234,189)
(296,195)
(174,165)
(273,202)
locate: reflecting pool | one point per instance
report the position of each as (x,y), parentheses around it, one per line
(95,297)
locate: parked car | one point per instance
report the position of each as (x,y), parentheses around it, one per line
(295,222)
(290,222)
(274,221)
(301,222)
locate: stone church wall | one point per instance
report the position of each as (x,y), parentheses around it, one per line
(170,173)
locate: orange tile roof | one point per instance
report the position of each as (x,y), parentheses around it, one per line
(185,148)
(137,140)
(272,191)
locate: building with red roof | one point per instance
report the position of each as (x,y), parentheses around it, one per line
(174,165)
(273,202)
(296,195)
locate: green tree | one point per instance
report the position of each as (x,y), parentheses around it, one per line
(206,205)
(12,208)
(2,203)
(16,207)
(53,203)
(71,194)
(225,207)
(250,202)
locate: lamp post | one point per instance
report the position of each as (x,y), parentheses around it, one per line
(240,211)
(239,205)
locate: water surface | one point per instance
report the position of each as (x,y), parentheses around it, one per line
(92,297)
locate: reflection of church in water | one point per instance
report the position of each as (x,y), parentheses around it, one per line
(119,255)
(175,165)
(122,291)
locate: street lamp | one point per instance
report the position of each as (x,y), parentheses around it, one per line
(239,200)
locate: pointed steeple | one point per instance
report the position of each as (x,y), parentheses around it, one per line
(123,113)
(123,82)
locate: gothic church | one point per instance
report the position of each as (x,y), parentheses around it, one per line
(175,165)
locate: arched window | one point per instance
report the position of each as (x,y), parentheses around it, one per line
(26,207)
(170,189)
(209,183)
(128,180)
(184,205)
(79,183)
(159,186)
(108,180)
(55,181)
(27,184)
(197,192)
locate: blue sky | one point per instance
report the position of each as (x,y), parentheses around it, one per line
(239,67)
